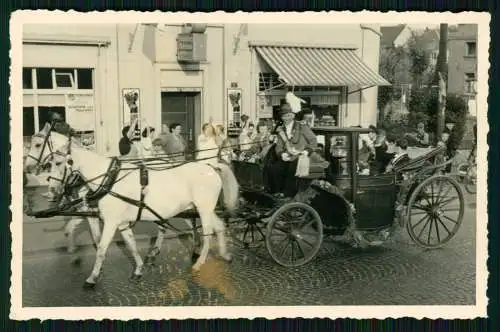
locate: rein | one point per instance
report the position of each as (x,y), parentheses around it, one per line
(46,143)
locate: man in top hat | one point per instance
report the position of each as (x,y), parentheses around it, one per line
(293,139)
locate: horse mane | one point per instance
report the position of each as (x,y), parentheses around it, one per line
(63,128)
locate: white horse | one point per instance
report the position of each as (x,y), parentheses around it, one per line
(170,192)
(61,171)
(41,154)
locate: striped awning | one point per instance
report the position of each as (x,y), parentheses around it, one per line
(319,66)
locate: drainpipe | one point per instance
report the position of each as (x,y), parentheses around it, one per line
(120,110)
(224,101)
(361,91)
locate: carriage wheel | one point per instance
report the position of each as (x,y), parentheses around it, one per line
(435,211)
(294,234)
(471,179)
(251,235)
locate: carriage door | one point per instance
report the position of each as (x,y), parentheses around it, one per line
(183,108)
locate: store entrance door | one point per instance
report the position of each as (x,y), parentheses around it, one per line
(183,108)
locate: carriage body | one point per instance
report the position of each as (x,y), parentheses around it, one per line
(365,209)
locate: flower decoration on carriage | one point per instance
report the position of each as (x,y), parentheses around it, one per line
(294,102)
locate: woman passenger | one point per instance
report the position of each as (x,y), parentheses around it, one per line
(177,145)
(207,146)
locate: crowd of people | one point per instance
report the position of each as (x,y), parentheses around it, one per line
(379,152)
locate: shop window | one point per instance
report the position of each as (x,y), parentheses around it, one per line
(325,115)
(28,121)
(85,78)
(45,114)
(471,48)
(27,78)
(64,78)
(44,78)
(322,88)
(268,81)
(305,88)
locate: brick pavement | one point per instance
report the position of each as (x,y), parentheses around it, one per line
(397,273)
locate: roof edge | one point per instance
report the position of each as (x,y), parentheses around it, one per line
(67,40)
(301,45)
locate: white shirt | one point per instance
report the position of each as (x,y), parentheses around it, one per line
(288,130)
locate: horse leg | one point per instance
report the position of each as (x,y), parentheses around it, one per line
(155,251)
(221,237)
(95,230)
(206,224)
(108,232)
(69,232)
(129,238)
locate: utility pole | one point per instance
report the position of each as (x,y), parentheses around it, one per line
(441,76)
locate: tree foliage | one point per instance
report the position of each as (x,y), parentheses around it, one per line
(393,66)
(405,65)
(419,57)
(423,107)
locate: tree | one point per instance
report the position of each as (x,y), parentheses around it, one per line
(456,112)
(393,66)
(440,75)
(419,59)
(409,64)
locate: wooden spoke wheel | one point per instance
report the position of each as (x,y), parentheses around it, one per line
(251,235)
(294,234)
(470,179)
(435,211)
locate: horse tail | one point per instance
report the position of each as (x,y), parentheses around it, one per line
(230,187)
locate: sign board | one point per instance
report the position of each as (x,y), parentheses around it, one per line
(80,112)
(191,47)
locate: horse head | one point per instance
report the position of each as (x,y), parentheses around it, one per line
(40,149)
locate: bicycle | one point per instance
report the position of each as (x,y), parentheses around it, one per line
(468,172)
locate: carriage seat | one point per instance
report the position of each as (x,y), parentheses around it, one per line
(421,161)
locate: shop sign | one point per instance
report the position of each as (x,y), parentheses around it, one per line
(191,47)
(80,112)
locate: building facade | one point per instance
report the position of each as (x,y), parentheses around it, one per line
(93,75)
(462,64)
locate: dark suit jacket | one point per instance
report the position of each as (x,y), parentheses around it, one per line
(302,139)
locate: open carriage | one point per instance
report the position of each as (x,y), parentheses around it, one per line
(339,201)
(364,209)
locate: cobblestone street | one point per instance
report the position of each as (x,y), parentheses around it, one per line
(399,273)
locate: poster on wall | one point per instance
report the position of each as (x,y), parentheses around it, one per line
(234,106)
(264,107)
(131,108)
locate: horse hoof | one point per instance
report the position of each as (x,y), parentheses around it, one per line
(76,262)
(88,285)
(136,277)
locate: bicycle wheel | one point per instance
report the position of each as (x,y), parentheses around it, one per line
(471,179)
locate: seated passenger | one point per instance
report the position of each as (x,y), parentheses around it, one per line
(262,141)
(382,156)
(294,139)
(401,157)
(366,154)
